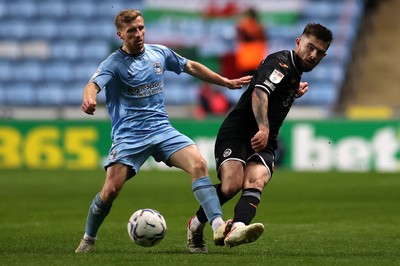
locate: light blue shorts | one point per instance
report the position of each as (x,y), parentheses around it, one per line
(135,152)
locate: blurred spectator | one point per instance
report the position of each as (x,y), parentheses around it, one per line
(218,9)
(252,43)
(211,102)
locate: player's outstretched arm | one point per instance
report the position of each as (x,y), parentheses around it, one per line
(202,72)
(89,98)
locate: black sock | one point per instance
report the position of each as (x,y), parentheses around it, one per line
(246,208)
(201,215)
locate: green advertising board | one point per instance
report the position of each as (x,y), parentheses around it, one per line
(340,145)
(343,145)
(53,144)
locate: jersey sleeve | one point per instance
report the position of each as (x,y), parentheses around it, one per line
(103,74)
(271,73)
(173,61)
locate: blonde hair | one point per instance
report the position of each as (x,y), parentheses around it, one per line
(126,16)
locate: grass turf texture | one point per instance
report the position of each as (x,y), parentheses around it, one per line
(310,219)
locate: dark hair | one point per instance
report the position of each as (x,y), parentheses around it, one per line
(126,16)
(251,12)
(319,31)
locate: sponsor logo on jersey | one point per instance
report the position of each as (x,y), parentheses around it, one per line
(290,99)
(269,84)
(276,76)
(146,89)
(157,68)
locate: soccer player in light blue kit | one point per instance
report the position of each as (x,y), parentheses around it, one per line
(132,78)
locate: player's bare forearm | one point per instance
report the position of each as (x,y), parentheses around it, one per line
(260,111)
(260,107)
(89,98)
(202,72)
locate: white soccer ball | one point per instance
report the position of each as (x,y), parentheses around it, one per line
(147,227)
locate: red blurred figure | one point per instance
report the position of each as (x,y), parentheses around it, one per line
(212,101)
(252,44)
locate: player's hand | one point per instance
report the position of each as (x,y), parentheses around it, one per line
(303,88)
(235,84)
(89,106)
(260,140)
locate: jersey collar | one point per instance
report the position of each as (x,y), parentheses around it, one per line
(132,55)
(293,57)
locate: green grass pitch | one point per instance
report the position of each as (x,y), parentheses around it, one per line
(310,219)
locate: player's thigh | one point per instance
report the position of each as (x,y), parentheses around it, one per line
(231,174)
(190,160)
(256,175)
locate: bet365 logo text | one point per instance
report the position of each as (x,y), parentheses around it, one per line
(380,152)
(49,147)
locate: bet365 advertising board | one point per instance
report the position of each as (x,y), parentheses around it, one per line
(339,145)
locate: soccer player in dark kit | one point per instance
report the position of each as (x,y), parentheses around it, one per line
(247,139)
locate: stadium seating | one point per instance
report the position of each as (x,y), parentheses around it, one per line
(66,50)
(20,93)
(50,94)
(28,71)
(5,71)
(71,90)
(72,37)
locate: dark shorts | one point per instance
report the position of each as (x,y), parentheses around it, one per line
(236,149)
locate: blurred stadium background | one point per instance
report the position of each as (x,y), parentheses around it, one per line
(50,48)
(333,202)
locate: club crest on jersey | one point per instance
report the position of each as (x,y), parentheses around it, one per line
(276,76)
(157,68)
(112,156)
(227,152)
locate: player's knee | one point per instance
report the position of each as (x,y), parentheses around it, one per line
(113,194)
(199,167)
(256,182)
(110,193)
(265,180)
(232,182)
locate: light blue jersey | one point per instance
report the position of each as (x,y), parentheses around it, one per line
(134,89)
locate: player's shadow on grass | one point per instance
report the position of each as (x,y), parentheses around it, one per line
(219,251)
